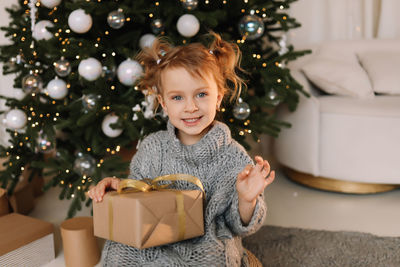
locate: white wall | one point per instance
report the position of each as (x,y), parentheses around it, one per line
(7,81)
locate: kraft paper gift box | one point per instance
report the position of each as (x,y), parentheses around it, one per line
(147,219)
(4,207)
(25,241)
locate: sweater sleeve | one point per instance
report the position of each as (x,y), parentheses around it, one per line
(232,215)
(146,161)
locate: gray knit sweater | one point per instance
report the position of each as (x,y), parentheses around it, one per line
(216,160)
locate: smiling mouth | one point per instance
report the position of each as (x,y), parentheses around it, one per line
(192,120)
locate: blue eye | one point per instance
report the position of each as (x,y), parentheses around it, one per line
(202,94)
(177,97)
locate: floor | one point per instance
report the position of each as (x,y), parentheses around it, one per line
(289,205)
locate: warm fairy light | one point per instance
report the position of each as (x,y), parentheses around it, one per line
(112,87)
(254,55)
(67,171)
(77,57)
(151,15)
(224,2)
(55,20)
(241,133)
(96,45)
(157,3)
(231,120)
(258,140)
(207,2)
(223,109)
(106,32)
(98,165)
(22,168)
(78,187)
(88,149)
(15,35)
(264,64)
(281,7)
(17,157)
(113,152)
(279,80)
(243,10)
(104,55)
(249,131)
(102,160)
(80,44)
(83,181)
(258,56)
(108,149)
(113,54)
(23,39)
(61,182)
(10,164)
(72,195)
(284,17)
(264,15)
(136,88)
(64,50)
(246,1)
(67,30)
(128,19)
(287,86)
(118,148)
(21,144)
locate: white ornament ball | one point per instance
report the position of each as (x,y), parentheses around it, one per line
(50,3)
(146,40)
(40,32)
(16,119)
(90,69)
(129,71)
(79,21)
(188,25)
(105,126)
(57,89)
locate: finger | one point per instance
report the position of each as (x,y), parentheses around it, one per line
(244,173)
(259,163)
(270,179)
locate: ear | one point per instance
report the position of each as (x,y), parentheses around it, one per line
(161,101)
(220,96)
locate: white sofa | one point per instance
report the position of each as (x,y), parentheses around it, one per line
(346,136)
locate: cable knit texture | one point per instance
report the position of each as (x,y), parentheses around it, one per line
(216,160)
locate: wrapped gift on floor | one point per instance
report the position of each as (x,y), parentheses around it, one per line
(4,208)
(25,241)
(22,199)
(150,218)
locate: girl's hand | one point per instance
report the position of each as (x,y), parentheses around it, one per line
(252,181)
(96,193)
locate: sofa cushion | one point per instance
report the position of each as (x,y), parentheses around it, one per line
(337,71)
(383,68)
(380,106)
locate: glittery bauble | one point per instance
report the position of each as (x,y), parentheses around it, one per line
(146,40)
(251,27)
(273,97)
(57,89)
(157,26)
(108,73)
(188,25)
(190,4)
(116,19)
(90,101)
(106,126)
(79,21)
(44,144)
(62,67)
(40,31)
(50,3)
(16,119)
(129,71)
(32,83)
(241,111)
(85,165)
(90,69)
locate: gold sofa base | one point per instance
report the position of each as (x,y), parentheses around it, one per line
(334,185)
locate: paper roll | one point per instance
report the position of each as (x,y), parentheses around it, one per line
(80,246)
(4,208)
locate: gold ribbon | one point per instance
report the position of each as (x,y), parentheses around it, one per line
(147,185)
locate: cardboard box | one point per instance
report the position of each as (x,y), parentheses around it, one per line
(147,219)
(25,241)
(22,199)
(4,208)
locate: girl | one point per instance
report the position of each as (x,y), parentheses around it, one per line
(190,82)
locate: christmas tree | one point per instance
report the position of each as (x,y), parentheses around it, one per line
(75,63)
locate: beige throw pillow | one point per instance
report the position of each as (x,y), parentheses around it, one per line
(337,71)
(383,68)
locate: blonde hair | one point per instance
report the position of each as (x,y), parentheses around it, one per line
(221,59)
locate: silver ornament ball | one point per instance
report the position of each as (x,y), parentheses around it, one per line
(251,27)
(44,144)
(272,96)
(62,67)
(32,83)
(90,101)
(85,165)
(190,4)
(157,26)
(241,110)
(116,19)
(108,72)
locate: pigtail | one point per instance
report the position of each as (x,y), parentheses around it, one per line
(151,59)
(228,57)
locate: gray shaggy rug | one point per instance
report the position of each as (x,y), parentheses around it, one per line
(292,247)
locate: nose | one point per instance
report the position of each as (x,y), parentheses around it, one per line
(191,106)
